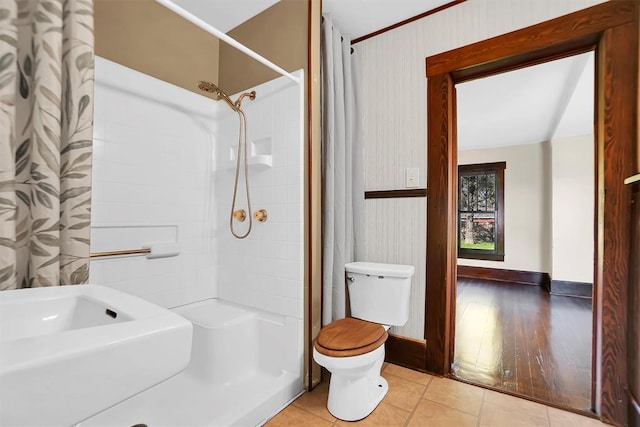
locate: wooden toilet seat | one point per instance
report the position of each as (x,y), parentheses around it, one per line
(350,337)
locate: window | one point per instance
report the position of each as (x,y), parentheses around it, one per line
(481,211)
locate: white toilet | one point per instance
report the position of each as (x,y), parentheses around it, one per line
(352,349)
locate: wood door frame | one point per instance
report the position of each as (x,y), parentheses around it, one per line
(612,29)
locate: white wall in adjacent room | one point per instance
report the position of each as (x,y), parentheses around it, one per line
(573,209)
(527,203)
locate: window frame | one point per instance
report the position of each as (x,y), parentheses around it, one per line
(498,169)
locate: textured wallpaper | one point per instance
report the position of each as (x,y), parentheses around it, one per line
(391,82)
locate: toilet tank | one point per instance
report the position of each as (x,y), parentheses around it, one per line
(379,292)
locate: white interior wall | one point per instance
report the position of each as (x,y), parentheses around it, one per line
(152,182)
(391,83)
(527,201)
(549,207)
(573,186)
(573,209)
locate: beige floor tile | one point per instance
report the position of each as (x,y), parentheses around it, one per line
(445,403)
(385,415)
(455,394)
(559,418)
(402,393)
(434,415)
(292,416)
(316,401)
(408,374)
(493,415)
(516,404)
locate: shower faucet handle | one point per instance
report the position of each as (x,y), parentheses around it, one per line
(240,215)
(260,215)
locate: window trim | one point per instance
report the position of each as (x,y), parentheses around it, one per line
(482,254)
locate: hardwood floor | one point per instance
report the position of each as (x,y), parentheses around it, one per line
(520,339)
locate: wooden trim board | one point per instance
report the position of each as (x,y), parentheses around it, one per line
(500,275)
(404,351)
(395,194)
(571,289)
(406,21)
(633,315)
(613,30)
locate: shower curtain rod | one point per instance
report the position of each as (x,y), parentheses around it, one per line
(225,38)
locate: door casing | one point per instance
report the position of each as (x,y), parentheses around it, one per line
(612,30)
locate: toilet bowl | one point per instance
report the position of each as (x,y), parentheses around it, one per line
(352,349)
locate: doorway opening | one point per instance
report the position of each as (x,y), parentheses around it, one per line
(612,29)
(525,239)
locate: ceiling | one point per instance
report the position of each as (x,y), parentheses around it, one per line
(225,15)
(526,106)
(356,18)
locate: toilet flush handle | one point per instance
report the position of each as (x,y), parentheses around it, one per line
(351,279)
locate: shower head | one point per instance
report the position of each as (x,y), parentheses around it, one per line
(212,88)
(208,87)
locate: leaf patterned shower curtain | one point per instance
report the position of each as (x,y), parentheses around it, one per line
(46,127)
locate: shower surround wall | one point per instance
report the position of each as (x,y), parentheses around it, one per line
(264,270)
(162,172)
(152,181)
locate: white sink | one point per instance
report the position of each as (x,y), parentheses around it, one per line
(69,352)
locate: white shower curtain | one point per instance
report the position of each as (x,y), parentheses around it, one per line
(342,170)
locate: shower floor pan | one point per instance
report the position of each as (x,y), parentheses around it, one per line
(237,375)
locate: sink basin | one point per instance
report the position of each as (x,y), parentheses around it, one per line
(69,352)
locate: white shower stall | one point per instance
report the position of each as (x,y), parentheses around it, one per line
(163,173)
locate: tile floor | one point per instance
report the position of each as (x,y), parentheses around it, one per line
(417,399)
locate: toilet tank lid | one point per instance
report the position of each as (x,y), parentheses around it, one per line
(376,269)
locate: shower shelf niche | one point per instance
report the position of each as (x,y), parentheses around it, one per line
(261,161)
(260,156)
